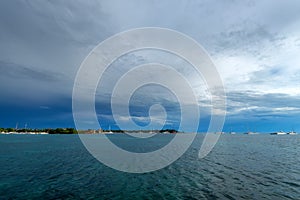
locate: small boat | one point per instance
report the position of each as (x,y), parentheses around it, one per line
(251,133)
(109,132)
(292,133)
(279,133)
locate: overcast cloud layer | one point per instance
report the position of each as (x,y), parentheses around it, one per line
(255,45)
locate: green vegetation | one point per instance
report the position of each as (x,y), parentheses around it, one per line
(74,131)
(62,131)
(168,131)
(47,130)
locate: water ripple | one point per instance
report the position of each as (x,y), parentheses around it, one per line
(239,167)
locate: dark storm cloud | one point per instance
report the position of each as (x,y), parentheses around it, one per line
(44,42)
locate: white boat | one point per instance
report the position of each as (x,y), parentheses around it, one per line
(251,133)
(279,133)
(109,132)
(292,133)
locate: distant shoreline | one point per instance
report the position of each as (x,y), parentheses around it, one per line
(74,131)
(50,131)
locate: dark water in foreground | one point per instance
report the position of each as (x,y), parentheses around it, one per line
(239,167)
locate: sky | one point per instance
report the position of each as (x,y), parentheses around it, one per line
(255,46)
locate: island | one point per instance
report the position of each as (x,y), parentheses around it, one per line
(74,131)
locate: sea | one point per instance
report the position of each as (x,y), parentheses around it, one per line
(239,167)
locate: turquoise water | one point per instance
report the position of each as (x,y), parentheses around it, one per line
(239,167)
